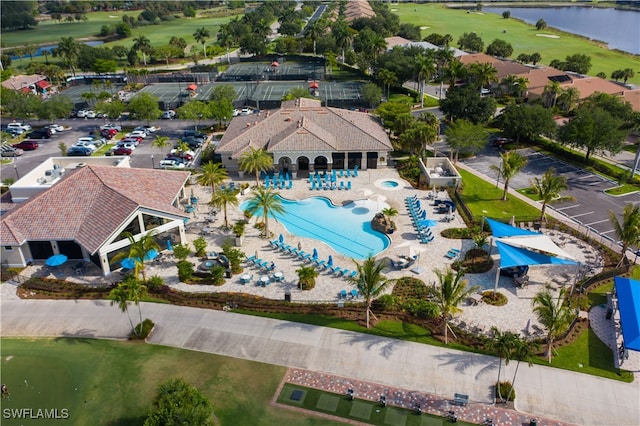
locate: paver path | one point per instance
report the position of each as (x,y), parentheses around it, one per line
(557,394)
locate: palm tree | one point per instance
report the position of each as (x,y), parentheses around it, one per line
(256,161)
(454,71)
(314,31)
(550,93)
(390,212)
(387,77)
(137,290)
(139,251)
(509,166)
(212,174)
(120,296)
(343,35)
(443,57)
(201,35)
(450,293)
(225,39)
(548,188)
(224,198)
(160,142)
(520,85)
(627,73)
(306,277)
(424,68)
(568,98)
(523,351)
(553,314)
(484,74)
(69,50)
(370,282)
(627,231)
(143,45)
(503,344)
(269,202)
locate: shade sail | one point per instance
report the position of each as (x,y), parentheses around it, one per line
(499,229)
(516,256)
(628,291)
(192,87)
(43,84)
(537,242)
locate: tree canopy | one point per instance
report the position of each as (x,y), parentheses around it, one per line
(465,102)
(526,122)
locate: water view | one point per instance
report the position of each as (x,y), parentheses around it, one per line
(619,28)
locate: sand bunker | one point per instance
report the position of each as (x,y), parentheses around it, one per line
(424,28)
(547,35)
(113,16)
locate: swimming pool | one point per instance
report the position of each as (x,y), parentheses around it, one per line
(347,229)
(389,184)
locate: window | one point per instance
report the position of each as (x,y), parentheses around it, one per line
(8,248)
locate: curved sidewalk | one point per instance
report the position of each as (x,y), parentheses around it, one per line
(543,391)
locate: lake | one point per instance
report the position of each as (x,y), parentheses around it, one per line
(620,29)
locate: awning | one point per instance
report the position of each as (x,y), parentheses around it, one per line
(274,64)
(628,292)
(537,242)
(515,256)
(192,87)
(25,90)
(499,229)
(43,84)
(313,85)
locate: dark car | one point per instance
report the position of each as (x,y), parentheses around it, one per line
(192,142)
(180,155)
(515,271)
(121,150)
(194,134)
(501,142)
(40,134)
(27,145)
(77,151)
(108,133)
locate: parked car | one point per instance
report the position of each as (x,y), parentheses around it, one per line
(9,151)
(171,164)
(246,111)
(180,156)
(501,142)
(19,126)
(108,133)
(90,114)
(127,145)
(236,112)
(168,115)
(111,126)
(27,145)
(130,139)
(148,129)
(87,145)
(195,134)
(94,141)
(43,133)
(78,151)
(177,150)
(55,128)
(121,150)
(137,134)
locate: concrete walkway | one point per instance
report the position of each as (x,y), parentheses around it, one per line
(543,391)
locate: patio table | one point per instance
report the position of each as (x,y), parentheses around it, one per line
(278,276)
(264,281)
(245,278)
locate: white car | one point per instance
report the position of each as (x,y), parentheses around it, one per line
(178,151)
(55,128)
(92,140)
(148,129)
(168,115)
(138,134)
(171,164)
(246,111)
(82,113)
(236,112)
(89,145)
(128,145)
(19,126)
(90,114)
(109,126)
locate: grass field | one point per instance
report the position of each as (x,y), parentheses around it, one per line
(523,37)
(50,32)
(102,382)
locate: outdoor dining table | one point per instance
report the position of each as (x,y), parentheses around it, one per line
(210,218)
(278,276)
(244,278)
(264,281)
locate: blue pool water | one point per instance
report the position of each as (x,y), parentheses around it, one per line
(347,229)
(389,184)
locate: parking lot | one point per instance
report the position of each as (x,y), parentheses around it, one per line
(588,206)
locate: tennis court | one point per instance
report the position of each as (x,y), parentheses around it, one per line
(280,69)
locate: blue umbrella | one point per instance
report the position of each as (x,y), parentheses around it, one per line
(330,261)
(151,254)
(169,245)
(428,223)
(281,238)
(56,260)
(128,263)
(315,254)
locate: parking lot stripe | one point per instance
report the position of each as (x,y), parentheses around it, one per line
(568,207)
(581,214)
(606,232)
(597,221)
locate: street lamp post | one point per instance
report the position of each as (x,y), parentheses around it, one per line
(153,163)
(15,168)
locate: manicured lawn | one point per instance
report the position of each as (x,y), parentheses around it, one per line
(622,189)
(357,410)
(480,196)
(591,356)
(523,37)
(51,31)
(529,193)
(104,382)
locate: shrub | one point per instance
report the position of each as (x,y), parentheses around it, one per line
(185,270)
(458,233)
(181,251)
(217,275)
(147,325)
(423,309)
(200,245)
(234,255)
(154,283)
(494,298)
(385,302)
(505,389)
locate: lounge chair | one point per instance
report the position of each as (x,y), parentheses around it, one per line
(349,185)
(354,293)
(334,269)
(342,294)
(342,272)
(290,184)
(452,254)
(341,185)
(353,274)
(321,264)
(250,259)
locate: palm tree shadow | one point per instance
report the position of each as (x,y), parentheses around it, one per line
(464,361)
(384,345)
(79,336)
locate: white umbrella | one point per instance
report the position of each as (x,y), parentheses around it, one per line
(364,192)
(414,250)
(378,198)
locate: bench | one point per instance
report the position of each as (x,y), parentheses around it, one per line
(460,399)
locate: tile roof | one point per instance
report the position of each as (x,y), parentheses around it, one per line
(304,125)
(18,82)
(503,67)
(633,97)
(539,77)
(589,85)
(89,204)
(355,9)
